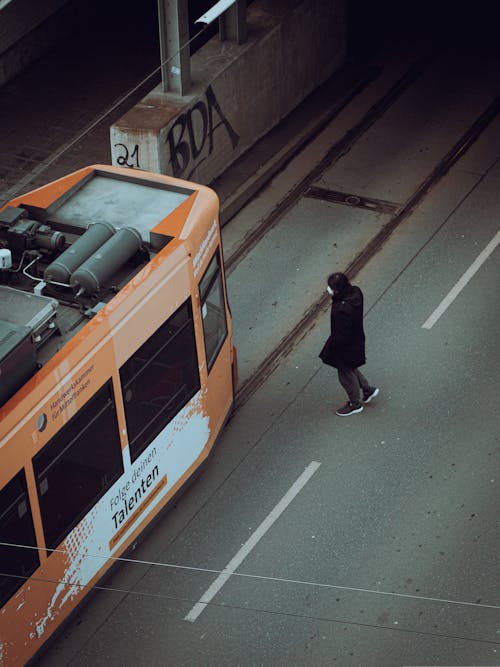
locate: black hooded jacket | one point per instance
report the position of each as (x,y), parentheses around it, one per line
(346,345)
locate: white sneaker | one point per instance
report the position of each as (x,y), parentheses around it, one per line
(349,409)
(368,397)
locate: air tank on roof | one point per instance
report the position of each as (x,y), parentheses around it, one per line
(61,269)
(98,268)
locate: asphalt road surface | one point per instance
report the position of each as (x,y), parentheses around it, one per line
(312,539)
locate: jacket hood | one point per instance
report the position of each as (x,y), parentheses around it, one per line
(351,295)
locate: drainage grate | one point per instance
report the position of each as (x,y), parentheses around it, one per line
(377,205)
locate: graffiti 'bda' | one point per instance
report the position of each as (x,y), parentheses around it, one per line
(191,138)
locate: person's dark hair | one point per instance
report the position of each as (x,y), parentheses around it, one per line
(338,282)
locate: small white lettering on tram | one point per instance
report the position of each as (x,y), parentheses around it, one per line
(205,247)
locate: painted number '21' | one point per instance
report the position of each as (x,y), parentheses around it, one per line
(128,159)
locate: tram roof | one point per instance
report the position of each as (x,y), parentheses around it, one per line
(49,221)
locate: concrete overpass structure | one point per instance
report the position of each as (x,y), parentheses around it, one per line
(213,105)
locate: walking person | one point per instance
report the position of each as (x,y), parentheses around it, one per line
(345,347)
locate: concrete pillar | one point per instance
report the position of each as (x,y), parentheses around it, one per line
(200,135)
(174,35)
(233,23)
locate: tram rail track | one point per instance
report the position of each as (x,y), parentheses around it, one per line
(307,321)
(340,148)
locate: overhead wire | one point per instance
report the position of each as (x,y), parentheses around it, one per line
(136,561)
(260,610)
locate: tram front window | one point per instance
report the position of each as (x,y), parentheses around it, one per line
(213,310)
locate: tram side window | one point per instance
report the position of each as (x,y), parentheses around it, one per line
(213,309)
(159,379)
(78,465)
(16,529)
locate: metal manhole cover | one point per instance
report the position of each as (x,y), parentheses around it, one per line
(347,199)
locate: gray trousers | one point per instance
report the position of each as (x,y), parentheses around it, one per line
(353,382)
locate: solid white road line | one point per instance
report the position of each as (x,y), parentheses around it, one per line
(455,291)
(235,562)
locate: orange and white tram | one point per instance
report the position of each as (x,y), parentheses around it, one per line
(117,372)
